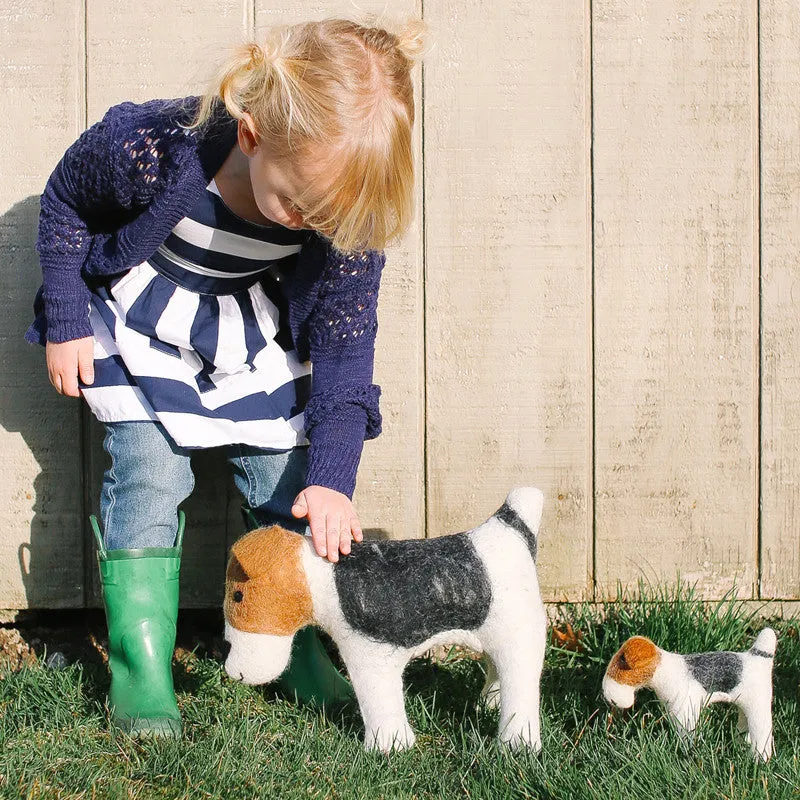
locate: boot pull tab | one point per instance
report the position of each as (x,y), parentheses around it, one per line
(181,524)
(97,535)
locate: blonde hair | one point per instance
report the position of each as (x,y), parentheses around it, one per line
(340,88)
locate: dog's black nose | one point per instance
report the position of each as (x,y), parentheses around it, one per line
(226,649)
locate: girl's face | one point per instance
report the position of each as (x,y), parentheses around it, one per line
(279,183)
(276,187)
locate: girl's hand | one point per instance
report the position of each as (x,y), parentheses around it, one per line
(68,359)
(332,518)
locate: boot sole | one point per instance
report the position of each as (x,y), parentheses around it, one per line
(150,728)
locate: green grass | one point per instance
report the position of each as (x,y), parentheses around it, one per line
(243,742)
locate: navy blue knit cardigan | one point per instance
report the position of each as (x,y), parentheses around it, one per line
(114,198)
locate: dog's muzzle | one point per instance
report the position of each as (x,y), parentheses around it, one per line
(618,694)
(256,658)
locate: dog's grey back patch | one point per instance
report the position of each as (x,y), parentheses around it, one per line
(716,672)
(510,517)
(404,592)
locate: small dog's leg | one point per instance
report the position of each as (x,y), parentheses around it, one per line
(490,694)
(378,683)
(520,670)
(685,712)
(759,729)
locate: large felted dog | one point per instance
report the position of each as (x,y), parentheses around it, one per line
(390,601)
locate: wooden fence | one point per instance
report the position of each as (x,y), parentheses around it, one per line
(598,297)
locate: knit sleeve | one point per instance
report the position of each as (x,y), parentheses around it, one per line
(343,409)
(100,182)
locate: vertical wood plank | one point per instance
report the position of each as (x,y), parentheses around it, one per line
(675,153)
(389,494)
(163,50)
(42,544)
(168,51)
(780,199)
(507,264)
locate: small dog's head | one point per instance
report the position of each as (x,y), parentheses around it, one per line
(267,600)
(632,667)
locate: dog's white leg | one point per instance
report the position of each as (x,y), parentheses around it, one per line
(685,710)
(759,728)
(378,683)
(519,668)
(490,694)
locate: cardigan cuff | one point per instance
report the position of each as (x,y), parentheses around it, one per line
(63,302)
(335,451)
(67,319)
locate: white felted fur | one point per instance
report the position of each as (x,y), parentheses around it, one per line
(512,636)
(256,658)
(618,694)
(685,697)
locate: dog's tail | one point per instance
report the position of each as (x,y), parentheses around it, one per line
(765,644)
(522,511)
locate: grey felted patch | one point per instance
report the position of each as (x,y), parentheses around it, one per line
(404,592)
(754,651)
(507,515)
(716,672)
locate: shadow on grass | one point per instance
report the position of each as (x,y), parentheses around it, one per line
(450,693)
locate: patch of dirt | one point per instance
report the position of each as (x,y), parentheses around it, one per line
(60,638)
(14,650)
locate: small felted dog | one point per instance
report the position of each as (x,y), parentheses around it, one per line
(390,601)
(687,683)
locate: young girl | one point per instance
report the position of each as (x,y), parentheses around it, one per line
(200,257)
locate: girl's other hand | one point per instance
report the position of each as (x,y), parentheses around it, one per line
(65,361)
(333,520)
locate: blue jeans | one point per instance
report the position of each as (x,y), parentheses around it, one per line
(150,476)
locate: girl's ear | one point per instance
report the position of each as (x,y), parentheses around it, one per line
(248,138)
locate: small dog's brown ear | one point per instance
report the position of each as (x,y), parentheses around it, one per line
(236,571)
(635,662)
(638,650)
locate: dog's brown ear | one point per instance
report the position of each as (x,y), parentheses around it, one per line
(635,662)
(255,552)
(266,588)
(637,652)
(236,571)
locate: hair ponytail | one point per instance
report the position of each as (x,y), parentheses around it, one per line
(229,83)
(244,76)
(411,39)
(407,38)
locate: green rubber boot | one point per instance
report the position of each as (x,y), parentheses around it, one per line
(311,676)
(140,594)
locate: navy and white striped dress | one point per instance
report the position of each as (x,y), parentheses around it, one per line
(197,336)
